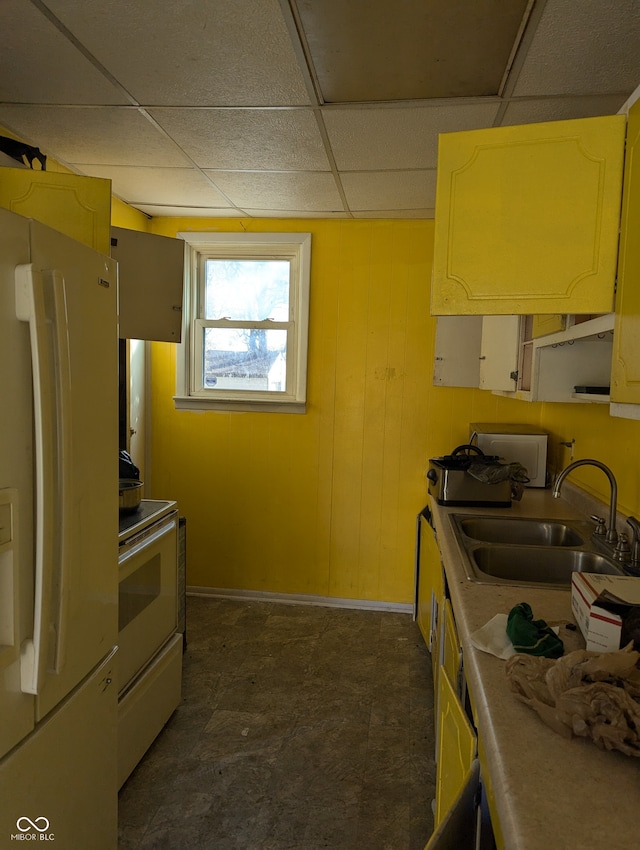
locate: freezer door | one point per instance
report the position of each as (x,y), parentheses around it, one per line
(67,295)
(61,783)
(16,489)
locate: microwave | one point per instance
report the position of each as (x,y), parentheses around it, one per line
(513,443)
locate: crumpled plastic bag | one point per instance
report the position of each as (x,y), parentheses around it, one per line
(586,694)
(494,473)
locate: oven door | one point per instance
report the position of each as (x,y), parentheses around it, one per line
(147,612)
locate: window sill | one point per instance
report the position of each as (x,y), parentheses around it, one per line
(198,404)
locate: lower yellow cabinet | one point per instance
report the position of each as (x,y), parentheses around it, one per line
(456,747)
(451,653)
(430,593)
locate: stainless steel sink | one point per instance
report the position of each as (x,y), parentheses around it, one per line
(527,551)
(536,564)
(524,532)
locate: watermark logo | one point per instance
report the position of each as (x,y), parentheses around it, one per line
(25,824)
(33,830)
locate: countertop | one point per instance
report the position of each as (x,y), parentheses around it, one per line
(549,791)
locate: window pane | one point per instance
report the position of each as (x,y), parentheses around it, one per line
(245,359)
(247,290)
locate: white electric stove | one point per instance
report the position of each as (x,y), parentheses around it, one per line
(150,647)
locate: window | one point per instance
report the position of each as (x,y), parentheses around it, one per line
(244,344)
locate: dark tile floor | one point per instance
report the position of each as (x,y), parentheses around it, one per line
(301,728)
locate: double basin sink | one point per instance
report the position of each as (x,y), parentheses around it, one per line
(537,552)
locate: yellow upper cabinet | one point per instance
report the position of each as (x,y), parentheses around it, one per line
(625,367)
(527,218)
(551,323)
(78,206)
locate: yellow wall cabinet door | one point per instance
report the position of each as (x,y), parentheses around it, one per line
(551,324)
(527,218)
(625,370)
(430,592)
(78,206)
(456,747)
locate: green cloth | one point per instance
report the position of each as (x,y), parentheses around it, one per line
(533,637)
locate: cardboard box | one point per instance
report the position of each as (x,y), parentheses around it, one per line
(600,604)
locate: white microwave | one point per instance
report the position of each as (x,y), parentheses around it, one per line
(513,443)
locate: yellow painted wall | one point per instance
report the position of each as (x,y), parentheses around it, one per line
(614,441)
(122,215)
(325,503)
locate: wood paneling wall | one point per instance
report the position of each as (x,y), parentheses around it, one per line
(322,503)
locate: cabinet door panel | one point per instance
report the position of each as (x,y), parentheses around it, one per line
(78,206)
(499,352)
(527,218)
(625,372)
(430,592)
(451,654)
(456,747)
(150,284)
(551,324)
(457,351)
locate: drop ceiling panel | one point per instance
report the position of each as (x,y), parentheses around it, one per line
(154,210)
(276,139)
(373,50)
(39,65)
(394,214)
(560,108)
(168,186)
(195,52)
(269,213)
(150,93)
(303,191)
(399,138)
(591,47)
(390,190)
(103,136)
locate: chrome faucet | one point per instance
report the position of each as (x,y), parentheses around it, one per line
(611,534)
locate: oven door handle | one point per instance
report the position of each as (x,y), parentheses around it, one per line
(142,541)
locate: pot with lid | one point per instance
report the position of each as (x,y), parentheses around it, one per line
(129,484)
(451,483)
(129,494)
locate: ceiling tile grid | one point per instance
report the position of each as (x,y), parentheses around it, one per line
(38,63)
(388,190)
(381,138)
(97,136)
(191,52)
(234,108)
(269,139)
(162,186)
(590,47)
(289,190)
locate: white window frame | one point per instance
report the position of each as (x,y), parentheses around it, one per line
(294,247)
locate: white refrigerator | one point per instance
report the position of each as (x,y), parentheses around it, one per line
(58,539)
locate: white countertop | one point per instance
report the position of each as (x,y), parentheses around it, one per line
(550,792)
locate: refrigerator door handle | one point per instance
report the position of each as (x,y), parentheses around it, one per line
(40,301)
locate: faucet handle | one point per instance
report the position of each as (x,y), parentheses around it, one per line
(622,552)
(601,527)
